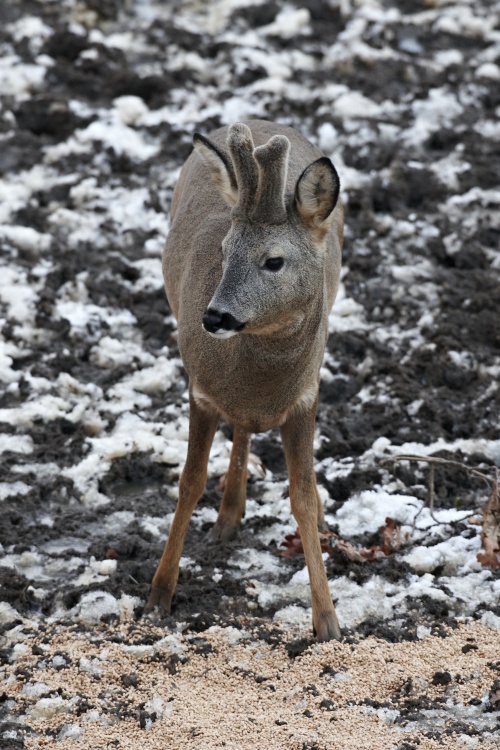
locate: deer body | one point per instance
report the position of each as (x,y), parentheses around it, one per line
(251,270)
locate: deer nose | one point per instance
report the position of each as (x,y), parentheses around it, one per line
(214,321)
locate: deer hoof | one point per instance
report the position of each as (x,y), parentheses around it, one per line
(327,628)
(159,600)
(222,531)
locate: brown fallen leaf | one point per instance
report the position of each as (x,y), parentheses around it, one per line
(391,536)
(359,554)
(475,520)
(293,543)
(490,532)
(391,542)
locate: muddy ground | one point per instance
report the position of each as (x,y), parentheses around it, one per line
(98,104)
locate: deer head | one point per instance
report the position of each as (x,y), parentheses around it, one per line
(273,254)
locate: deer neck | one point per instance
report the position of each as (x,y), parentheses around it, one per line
(292,341)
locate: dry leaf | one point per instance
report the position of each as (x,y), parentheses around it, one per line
(490,533)
(359,554)
(292,545)
(391,536)
(475,520)
(391,542)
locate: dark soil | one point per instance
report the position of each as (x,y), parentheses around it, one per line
(432,338)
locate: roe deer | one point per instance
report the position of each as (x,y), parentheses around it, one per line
(251,269)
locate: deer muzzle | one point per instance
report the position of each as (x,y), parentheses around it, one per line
(222,325)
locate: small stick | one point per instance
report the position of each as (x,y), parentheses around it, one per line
(432,461)
(435,460)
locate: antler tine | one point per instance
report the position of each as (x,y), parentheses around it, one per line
(272,159)
(241,147)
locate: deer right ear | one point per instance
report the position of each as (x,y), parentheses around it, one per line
(221,171)
(317,193)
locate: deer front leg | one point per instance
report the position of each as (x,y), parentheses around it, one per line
(202,426)
(297,434)
(232,507)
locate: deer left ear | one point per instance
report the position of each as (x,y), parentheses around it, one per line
(316,193)
(221,171)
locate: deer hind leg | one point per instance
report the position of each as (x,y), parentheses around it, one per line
(232,507)
(202,426)
(297,434)
(322,524)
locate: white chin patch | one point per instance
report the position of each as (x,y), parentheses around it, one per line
(222,334)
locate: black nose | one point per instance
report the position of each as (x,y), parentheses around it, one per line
(213,321)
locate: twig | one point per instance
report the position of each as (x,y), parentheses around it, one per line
(431,491)
(432,461)
(435,460)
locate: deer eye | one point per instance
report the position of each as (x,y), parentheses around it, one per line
(274,264)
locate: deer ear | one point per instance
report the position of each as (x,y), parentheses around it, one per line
(316,193)
(221,171)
